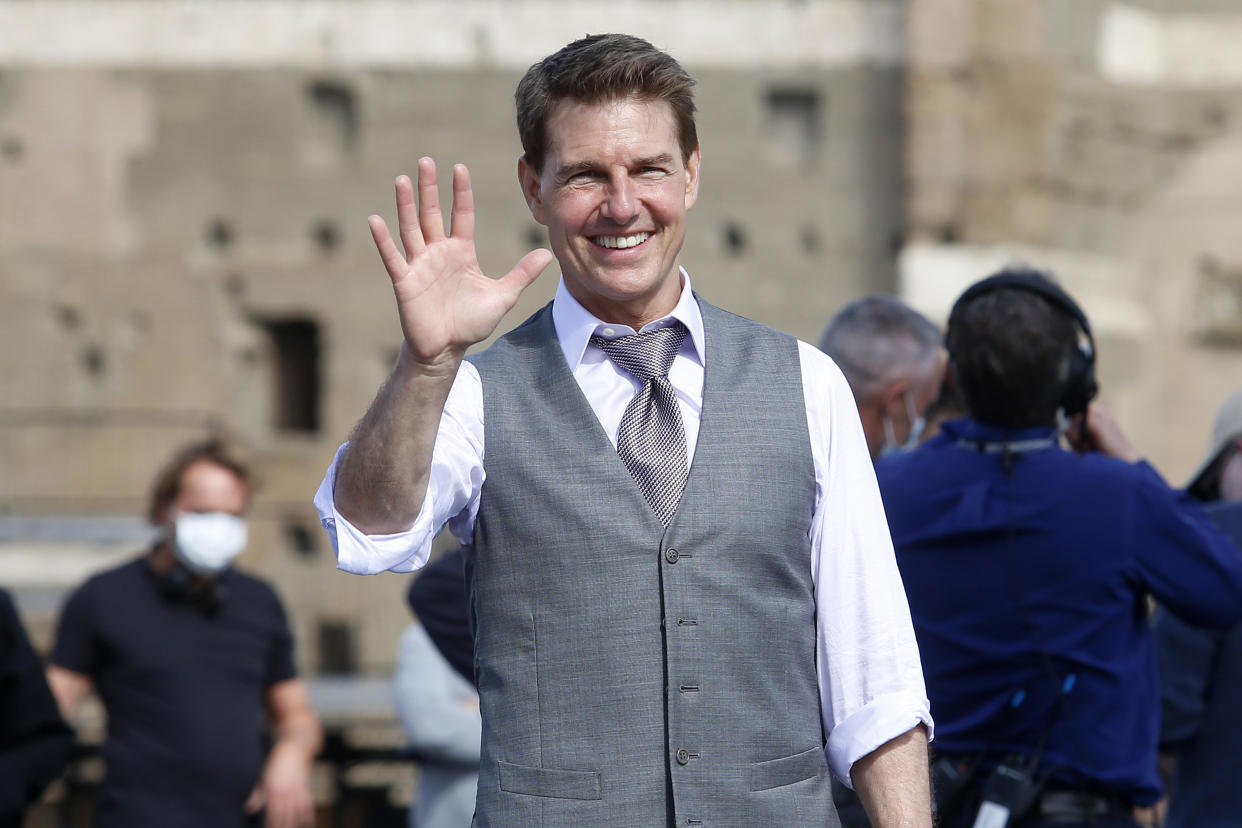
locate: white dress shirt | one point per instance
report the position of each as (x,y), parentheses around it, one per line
(870,678)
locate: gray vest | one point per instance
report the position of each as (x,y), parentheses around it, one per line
(629,674)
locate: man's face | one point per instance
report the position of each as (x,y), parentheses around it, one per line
(614,193)
(207,487)
(888,418)
(204,523)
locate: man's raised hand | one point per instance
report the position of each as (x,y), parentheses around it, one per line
(444,300)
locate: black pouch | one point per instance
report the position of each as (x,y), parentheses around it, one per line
(1009,794)
(950,778)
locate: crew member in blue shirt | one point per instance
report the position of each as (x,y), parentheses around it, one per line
(1029,567)
(1200,669)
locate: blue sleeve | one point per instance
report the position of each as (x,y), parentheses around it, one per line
(1186,562)
(1185,656)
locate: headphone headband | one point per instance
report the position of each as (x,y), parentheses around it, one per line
(1032,281)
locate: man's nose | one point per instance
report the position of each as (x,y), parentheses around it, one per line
(621,200)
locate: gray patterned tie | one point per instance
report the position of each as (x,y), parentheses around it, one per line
(652,439)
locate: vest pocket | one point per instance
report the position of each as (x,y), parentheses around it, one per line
(776,773)
(553,782)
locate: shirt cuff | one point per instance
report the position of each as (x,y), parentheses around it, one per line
(882,720)
(364,554)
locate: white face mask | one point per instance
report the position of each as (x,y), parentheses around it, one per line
(917,424)
(207,542)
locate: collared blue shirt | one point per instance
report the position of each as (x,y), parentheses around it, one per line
(1029,593)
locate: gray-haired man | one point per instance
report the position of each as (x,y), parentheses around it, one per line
(894,360)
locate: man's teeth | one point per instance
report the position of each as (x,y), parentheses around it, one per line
(622,241)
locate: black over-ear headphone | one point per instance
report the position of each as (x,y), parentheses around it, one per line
(1080,384)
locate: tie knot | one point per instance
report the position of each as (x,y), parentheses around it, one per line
(645,355)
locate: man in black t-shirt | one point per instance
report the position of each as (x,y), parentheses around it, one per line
(192,660)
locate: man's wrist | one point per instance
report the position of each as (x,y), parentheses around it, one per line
(293,747)
(438,367)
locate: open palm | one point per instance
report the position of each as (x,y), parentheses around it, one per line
(444,300)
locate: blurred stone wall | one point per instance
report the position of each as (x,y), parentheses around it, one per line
(184,190)
(1104,140)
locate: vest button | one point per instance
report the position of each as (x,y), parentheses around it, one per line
(683,756)
(672,555)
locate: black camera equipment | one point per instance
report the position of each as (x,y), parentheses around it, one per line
(1013,788)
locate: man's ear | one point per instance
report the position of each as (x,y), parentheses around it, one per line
(895,398)
(693,164)
(530,181)
(161,517)
(871,415)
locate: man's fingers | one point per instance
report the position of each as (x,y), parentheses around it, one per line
(1105,432)
(525,272)
(430,219)
(462,226)
(278,816)
(394,262)
(280,813)
(407,218)
(297,810)
(305,815)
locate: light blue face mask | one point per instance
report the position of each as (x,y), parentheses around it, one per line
(917,424)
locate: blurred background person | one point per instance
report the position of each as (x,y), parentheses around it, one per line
(35,743)
(439,712)
(1028,569)
(1218,479)
(438,599)
(893,358)
(191,658)
(1201,669)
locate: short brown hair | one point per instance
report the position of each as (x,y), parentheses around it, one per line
(168,481)
(600,68)
(1009,351)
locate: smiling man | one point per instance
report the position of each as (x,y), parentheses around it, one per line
(684,597)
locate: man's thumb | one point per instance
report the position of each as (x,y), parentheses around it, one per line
(527,270)
(258,798)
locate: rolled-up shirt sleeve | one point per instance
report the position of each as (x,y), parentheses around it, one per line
(870,677)
(452,491)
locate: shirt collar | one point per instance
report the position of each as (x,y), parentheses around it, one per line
(575,325)
(971,429)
